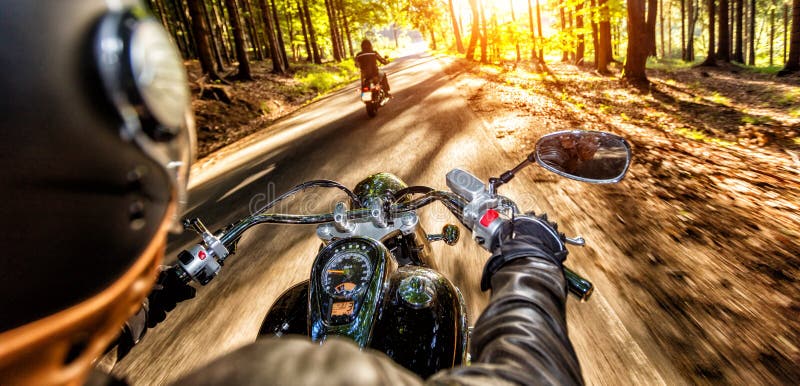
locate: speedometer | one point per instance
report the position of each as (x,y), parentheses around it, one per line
(347,272)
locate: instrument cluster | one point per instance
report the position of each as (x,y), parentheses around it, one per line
(344,271)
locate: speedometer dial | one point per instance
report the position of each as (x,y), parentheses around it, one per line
(347,273)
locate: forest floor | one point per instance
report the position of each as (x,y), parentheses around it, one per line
(227,112)
(708,215)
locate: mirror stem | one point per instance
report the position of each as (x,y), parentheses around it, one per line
(495,182)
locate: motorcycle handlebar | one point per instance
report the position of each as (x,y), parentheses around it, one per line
(577,285)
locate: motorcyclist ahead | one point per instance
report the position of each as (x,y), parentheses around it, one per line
(94,162)
(367,61)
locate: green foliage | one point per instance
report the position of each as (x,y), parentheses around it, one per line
(323,78)
(697,135)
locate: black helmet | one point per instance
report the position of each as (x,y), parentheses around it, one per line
(95,150)
(366,45)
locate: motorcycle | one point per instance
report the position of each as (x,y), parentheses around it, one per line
(373,95)
(373,279)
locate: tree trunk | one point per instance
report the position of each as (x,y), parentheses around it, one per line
(309,55)
(692,14)
(604,54)
(200,32)
(595,41)
(255,41)
(346,26)
(771,34)
(534,57)
(281,46)
(334,29)
(214,49)
(514,20)
(277,59)
(238,41)
(751,59)
(636,58)
(652,12)
(724,47)
(579,25)
(484,43)
(785,30)
(661,26)
(312,35)
(793,61)
(541,36)
(456,29)
(738,53)
(669,28)
(476,32)
(683,29)
(564,50)
(221,28)
(711,59)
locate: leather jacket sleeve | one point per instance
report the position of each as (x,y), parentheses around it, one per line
(521,337)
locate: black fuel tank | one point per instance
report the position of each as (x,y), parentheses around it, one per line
(422,323)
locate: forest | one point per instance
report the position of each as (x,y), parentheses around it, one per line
(697,245)
(761,33)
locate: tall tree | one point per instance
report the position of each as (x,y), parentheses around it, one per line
(751,59)
(604,54)
(456,29)
(312,34)
(724,47)
(213,42)
(711,59)
(279,35)
(309,55)
(579,51)
(255,39)
(200,33)
(683,29)
(476,30)
(738,52)
(636,58)
(793,62)
(238,40)
(346,25)
(771,33)
(484,34)
(595,40)
(539,28)
(691,15)
(534,57)
(661,26)
(334,30)
(652,12)
(785,30)
(564,46)
(269,30)
(514,21)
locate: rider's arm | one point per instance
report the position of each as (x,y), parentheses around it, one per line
(521,337)
(381,58)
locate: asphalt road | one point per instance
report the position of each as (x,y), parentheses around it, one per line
(425,131)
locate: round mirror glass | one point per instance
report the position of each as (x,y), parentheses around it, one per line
(590,156)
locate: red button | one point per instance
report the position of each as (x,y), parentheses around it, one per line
(489,216)
(201,255)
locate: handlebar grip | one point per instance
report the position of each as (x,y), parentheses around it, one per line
(577,285)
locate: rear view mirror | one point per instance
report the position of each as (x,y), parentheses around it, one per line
(589,156)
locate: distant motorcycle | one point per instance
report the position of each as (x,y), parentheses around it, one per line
(374,280)
(373,95)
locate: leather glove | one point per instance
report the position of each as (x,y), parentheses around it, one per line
(528,236)
(168,291)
